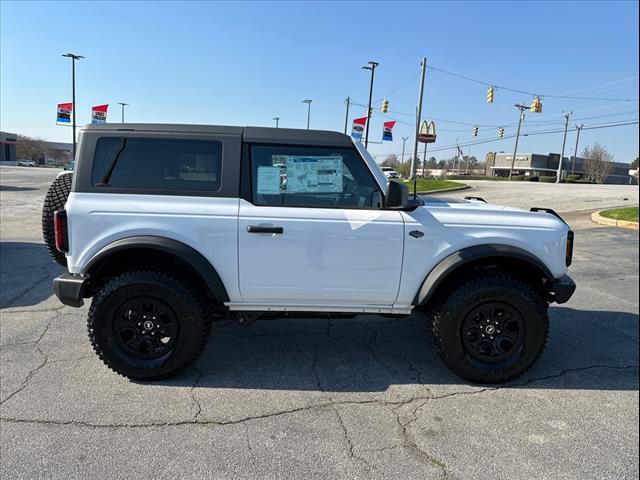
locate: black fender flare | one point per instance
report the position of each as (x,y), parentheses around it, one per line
(470,254)
(179,249)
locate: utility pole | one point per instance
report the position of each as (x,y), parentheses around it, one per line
(122,105)
(424,159)
(277,119)
(423,68)
(404,140)
(308,102)
(370,66)
(522,108)
(575,152)
(347,101)
(564,141)
(73,58)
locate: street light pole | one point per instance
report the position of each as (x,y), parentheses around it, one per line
(277,119)
(423,66)
(122,105)
(308,102)
(522,108)
(370,66)
(347,101)
(564,141)
(73,58)
(575,152)
(404,140)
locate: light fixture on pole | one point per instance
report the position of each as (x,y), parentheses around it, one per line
(123,105)
(73,58)
(277,119)
(308,102)
(370,66)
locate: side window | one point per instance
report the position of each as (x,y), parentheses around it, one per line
(157,164)
(311,177)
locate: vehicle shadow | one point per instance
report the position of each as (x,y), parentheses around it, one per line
(586,350)
(26,274)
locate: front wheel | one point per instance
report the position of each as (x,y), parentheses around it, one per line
(491,329)
(147,325)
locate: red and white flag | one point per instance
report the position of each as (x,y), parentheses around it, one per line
(357,129)
(387,130)
(99,114)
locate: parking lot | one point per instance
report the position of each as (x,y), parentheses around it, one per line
(293,398)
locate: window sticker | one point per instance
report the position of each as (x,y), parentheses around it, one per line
(314,174)
(302,174)
(330,175)
(269,180)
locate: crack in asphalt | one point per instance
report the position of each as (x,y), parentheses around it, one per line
(318,406)
(35,370)
(249,447)
(350,445)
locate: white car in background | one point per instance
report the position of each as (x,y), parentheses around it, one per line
(389,172)
(26,163)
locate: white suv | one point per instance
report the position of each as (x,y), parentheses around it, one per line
(389,172)
(168,227)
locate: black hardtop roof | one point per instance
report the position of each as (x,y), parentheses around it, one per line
(290,136)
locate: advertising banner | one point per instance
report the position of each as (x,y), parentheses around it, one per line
(358,127)
(99,114)
(387,131)
(64,112)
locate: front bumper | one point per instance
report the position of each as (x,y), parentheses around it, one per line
(562,288)
(69,289)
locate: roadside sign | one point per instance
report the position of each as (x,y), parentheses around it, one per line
(427,132)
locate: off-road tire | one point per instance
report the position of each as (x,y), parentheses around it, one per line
(189,307)
(55,200)
(448,322)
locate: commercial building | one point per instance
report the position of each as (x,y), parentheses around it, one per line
(546,165)
(8,147)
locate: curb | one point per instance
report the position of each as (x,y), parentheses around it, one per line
(597,218)
(444,190)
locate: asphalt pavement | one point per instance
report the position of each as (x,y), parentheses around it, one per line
(310,398)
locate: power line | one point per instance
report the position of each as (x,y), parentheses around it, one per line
(527,134)
(500,87)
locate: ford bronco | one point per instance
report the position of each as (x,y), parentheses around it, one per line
(168,227)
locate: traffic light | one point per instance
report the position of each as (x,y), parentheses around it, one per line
(501,132)
(385,105)
(536,106)
(475,131)
(490,95)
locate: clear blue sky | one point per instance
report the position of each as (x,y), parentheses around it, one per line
(244,63)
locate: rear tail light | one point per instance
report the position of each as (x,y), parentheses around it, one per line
(60,231)
(569,254)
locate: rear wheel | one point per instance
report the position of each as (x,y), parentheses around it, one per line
(491,329)
(55,199)
(148,325)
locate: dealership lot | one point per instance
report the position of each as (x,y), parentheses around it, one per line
(292,398)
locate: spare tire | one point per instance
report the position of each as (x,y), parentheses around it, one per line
(55,200)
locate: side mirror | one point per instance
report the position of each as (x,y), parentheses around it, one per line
(397,195)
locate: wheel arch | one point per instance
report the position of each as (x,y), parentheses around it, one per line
(157,248)
(520,262)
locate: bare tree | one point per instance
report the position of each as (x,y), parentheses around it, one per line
(598,163)
(30,148)
(391,161)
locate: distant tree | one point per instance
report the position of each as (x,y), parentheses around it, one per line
(403,168)
(598,163)
(634,164)
(29,148)
(432,163)
(391,161)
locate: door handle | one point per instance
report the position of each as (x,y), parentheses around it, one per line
(264,229)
